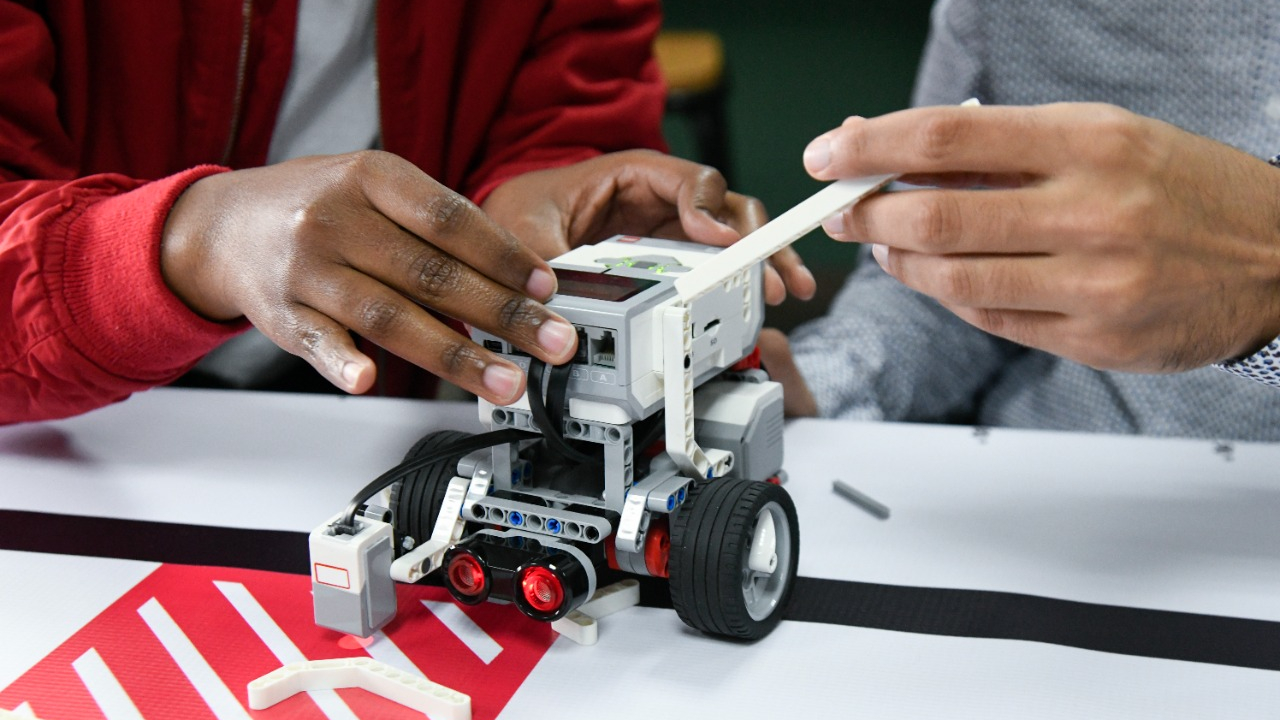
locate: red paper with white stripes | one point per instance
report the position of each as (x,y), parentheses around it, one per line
(132,661)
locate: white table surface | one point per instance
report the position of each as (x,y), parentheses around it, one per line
(1183,525)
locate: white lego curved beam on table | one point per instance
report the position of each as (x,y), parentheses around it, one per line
(412,691)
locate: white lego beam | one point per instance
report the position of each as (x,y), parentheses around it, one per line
(428,555)
(678,391)
(408,689)
(783,230)
(582,625)
(777,234)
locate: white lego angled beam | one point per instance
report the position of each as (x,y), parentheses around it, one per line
(677,349)
(427,556)
(777,234)
(408,689)
(582,626)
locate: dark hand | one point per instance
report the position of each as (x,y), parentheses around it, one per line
(314,247)
(637,192)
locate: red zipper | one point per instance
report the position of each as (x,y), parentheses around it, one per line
(242,71)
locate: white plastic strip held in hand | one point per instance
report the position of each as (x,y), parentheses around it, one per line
(777,234)
(783,230)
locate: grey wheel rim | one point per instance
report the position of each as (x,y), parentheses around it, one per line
(762,591)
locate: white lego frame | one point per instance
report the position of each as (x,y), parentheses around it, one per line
(447,530)
(731,266)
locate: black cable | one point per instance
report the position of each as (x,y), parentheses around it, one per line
(653,432)
(557,389)
(462,447)
(551,430)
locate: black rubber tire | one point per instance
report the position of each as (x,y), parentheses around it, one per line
(710,538)
(416,500)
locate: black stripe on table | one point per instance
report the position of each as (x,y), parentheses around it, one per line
(931,611)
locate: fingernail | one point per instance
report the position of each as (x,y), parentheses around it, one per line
(501,380)
(351,374)
(880,253)
(541,285)
(818,155)
(556,337)
(834,225)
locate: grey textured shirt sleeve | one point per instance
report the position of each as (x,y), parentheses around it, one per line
(951,67)
(886,352)
(1263,366)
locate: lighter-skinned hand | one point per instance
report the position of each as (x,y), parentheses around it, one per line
(638,192)
(1102,236)
(312,248)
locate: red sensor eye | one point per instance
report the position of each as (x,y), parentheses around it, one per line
(466,575)
(542,589)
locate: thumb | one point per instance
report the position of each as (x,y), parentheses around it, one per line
(701,204)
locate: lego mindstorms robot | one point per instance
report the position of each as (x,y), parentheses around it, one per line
(657,451)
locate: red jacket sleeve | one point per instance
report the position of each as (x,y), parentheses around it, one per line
(87,316)
(586,85)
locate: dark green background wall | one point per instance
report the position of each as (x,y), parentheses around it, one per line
(794,70)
